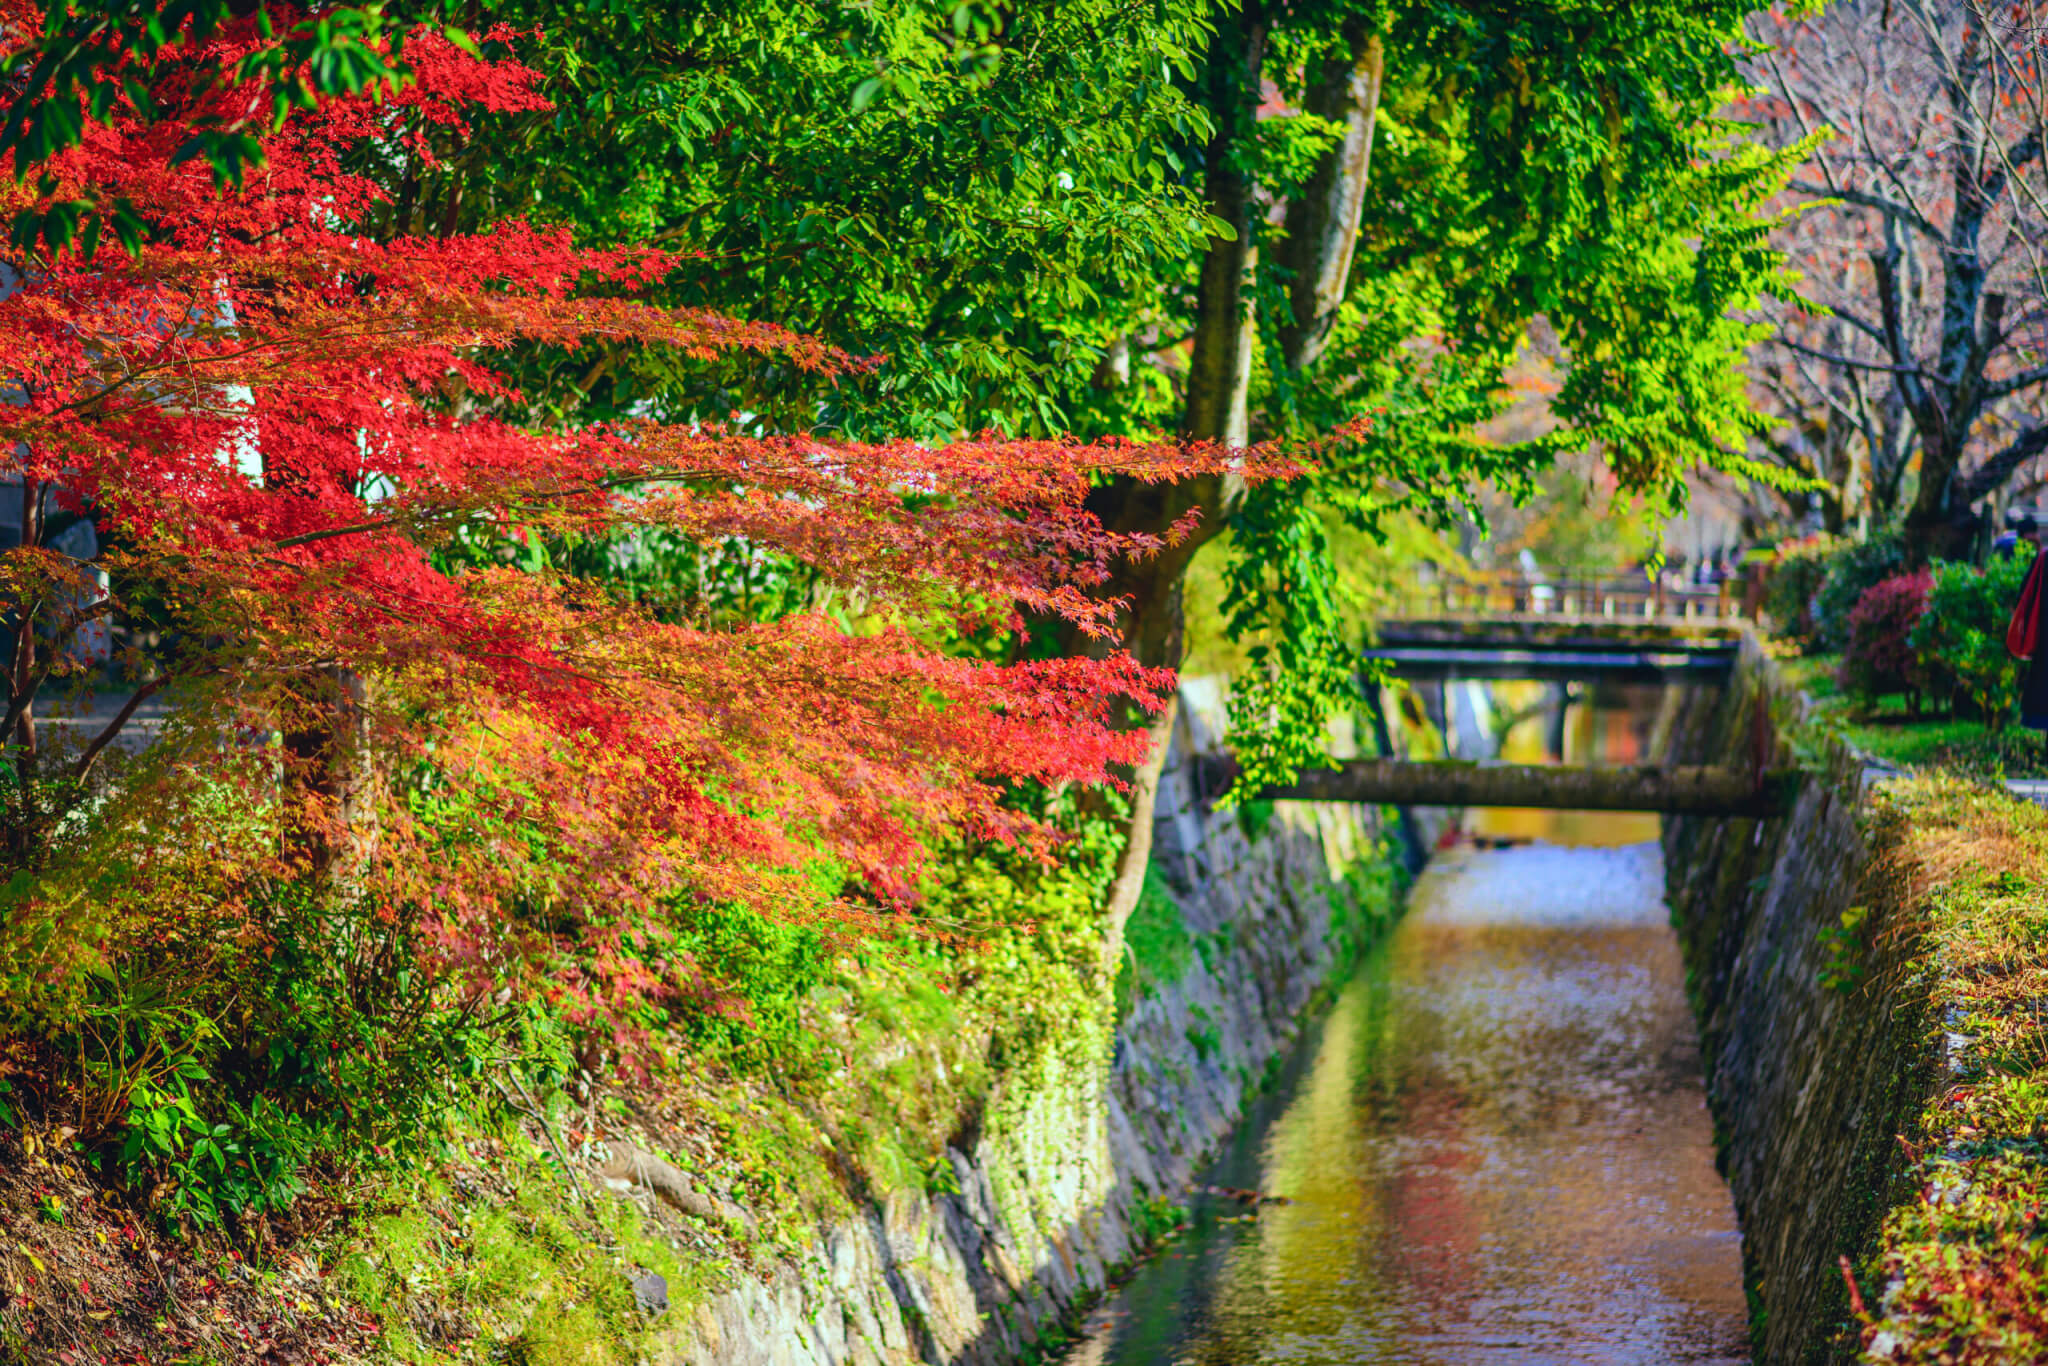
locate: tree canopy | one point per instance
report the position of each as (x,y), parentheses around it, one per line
(287,430)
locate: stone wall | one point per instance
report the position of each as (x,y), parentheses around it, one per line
(1077,1161)
(1811,1021)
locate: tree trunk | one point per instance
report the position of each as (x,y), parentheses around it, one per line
(1945,409)
(1226,331)
(1152,625)
(331,829)
(1322,225)
(1217,409)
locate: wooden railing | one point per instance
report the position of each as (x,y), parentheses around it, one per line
(1613,599)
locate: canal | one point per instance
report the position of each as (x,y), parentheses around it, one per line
(1495,1150)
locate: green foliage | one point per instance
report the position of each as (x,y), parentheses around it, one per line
(1302,667)
(1852,570)
(1156,939)
(1797,570)
(263,1029)
(755,976)
(1565,163)
(1883,728)
(1156,1217)
(1960,639)
(941,1177)
(984,195)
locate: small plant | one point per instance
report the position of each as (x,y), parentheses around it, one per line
(1880,660)
(1850,571)
(941,1177)
(1960,638)
(1156,1217)
(1845,947)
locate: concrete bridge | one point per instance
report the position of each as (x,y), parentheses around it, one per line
(1554,650)
(1554,647)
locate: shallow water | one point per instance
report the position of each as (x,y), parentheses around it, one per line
(1496,1151)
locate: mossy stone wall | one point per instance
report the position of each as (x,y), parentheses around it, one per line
(1813,1023)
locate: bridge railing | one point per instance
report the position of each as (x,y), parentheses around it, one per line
(1521,595)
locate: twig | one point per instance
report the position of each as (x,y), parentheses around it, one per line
(535,1114)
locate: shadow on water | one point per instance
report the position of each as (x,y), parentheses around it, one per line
(1495,1150)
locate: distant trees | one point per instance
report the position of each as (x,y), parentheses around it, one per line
(1908,376)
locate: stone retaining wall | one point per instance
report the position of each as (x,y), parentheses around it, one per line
(1811,1023)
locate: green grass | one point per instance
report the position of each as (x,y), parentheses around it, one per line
(1885,730)
(1967,1251)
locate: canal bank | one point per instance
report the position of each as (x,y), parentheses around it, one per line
(1868,972)
(1867,1051)
(1866,975)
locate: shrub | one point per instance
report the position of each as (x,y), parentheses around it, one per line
(1796,572)
(1880,659)
(1960,638)
(1851,571)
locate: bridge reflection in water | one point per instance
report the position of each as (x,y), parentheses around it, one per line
(1496,1149)
(1614,725)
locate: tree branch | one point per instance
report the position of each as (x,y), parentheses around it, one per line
(1864,199)
(83,768)
(2025,379)
(1992,474)
(1833,358)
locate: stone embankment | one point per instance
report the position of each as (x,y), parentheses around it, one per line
(1839,958)
(1069,1182)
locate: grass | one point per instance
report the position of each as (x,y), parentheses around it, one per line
(495,1261)
(1965,1255)
(1885,730)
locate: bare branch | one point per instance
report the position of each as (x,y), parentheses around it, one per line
(1992,474)
(83,768)
(1834,358)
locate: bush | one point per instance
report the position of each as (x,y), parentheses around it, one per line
(1960,638)
(1880,660)
(1796,572)
(1851,571)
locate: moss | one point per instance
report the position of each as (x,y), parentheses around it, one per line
(996,1041)
(1254,818)
(1161,949)
(1964,1245)
(496,1260)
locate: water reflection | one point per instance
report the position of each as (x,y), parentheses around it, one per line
(1497,1152)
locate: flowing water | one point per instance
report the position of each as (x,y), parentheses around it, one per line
(1496,1150)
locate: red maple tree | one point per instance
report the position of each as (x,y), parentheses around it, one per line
(278,423)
